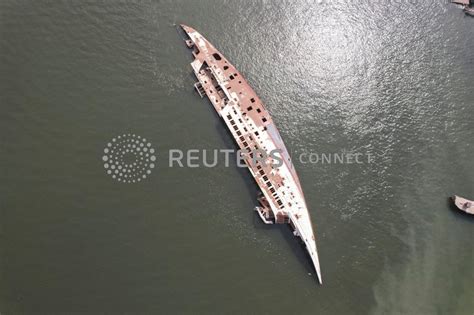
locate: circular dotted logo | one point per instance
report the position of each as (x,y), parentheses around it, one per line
(129,158)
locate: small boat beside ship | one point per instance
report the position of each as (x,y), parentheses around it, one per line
(461,2)
(463,204)
(466,6)
(469,10)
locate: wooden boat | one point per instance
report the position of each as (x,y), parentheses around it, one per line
(469,10)
(282,200)
(461,2)
(463,204)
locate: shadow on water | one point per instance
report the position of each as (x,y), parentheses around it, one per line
(298,247)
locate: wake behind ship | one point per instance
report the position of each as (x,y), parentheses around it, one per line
(281,199)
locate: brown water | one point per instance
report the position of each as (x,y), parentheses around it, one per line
(393,80)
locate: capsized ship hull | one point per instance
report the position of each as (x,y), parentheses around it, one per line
(281,199)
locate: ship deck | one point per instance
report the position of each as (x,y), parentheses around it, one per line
(257,137)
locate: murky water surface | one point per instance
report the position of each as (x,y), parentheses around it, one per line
(391,79)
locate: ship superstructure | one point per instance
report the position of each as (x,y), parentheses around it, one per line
(281,199)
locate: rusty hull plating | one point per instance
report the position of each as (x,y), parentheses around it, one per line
(282,199)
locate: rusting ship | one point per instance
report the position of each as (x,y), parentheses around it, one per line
(281,199)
